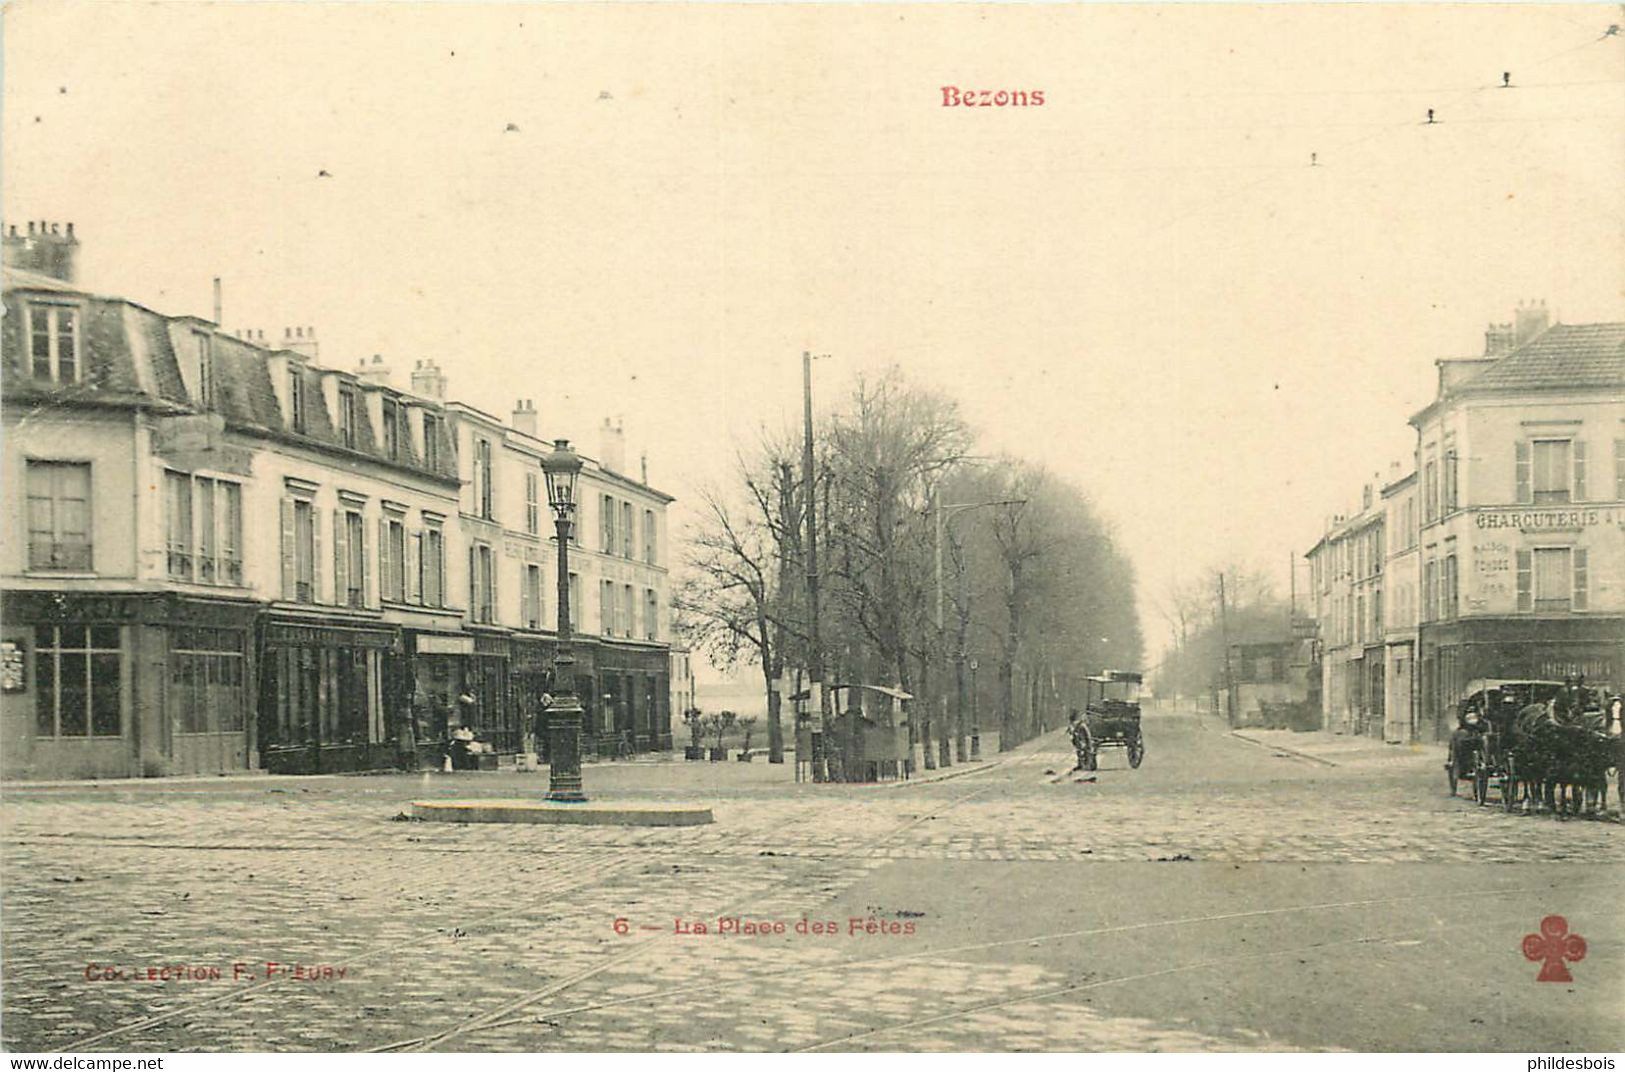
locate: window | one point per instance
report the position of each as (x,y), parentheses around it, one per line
(178,496)
(78,672)
(299,549)
(651,614)
(606,525)
(482,578)
(296,397)
(1430,586)
(626,539)
(1450,476)
(59,515)
(1551,470)
(533,506)
(1430,490)
(392,429)
(432,568)
(204,529)
(531,598)
(431,441)
(204,368)
(1554,584)
(628,621)
(1619,470)
(351,560)
(53,332)
(392,558)
(206,679)
(347,415)
(649,544)
(1377,621)
(483,501)
(606,607)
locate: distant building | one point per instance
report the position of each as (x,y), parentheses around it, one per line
(1346,579)
(1402,583)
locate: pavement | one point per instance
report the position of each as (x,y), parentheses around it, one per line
(1336,749)
(1228,895)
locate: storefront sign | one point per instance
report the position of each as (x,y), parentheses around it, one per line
(1539,520)
(444,645)
(317,636)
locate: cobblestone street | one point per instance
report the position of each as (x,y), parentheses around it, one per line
(1016,907)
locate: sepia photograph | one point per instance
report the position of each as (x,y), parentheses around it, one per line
(780,527)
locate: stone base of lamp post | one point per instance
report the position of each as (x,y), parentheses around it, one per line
(564,753)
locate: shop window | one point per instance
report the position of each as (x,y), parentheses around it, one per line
(206,679)
(59,515)
(78,673)
(53,332)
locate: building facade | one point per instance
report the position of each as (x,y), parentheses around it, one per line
(1522,536)
(1402,582)
(225,556)
(1346,570)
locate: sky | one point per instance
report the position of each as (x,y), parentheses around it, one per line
(1205,281)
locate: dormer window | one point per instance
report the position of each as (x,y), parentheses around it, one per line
(431,441)
(53,342)
(204,368)
(296,398)
(392,429)
(348,405)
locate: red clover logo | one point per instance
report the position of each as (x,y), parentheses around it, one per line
(1552,946)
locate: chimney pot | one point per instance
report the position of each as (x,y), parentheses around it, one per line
(70,228)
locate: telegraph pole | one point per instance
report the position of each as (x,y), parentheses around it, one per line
(1224,638)
(815,658)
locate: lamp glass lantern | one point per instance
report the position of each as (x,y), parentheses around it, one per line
(561,467)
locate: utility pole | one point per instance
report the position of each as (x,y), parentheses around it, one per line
(815,657)
(1224,638)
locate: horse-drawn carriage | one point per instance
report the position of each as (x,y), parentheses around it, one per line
(1111,718)
(1542,743)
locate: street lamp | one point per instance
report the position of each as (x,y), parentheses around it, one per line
(975,721)
(561,467)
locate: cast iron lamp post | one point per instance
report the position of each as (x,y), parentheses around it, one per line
(561,467)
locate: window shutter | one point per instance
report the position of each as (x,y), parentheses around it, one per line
(1526,570)
(288,578)
(368,590)
(1521,472)
(315,554)
(385,571)
(1582,580)
(414,556)
(1579,470)
(341,560)
(473,585)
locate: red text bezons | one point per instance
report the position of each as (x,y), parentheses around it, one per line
(954,97)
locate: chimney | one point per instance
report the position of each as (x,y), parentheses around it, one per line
(612,447)
(301,341)
(524,417)
(428,381)
(370,370)
(1498,340)
(643,468)
(46,251)
(218,318)
(1529,320)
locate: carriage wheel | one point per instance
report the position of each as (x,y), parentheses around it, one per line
(1481,786)
(1136,752)
(1450,774)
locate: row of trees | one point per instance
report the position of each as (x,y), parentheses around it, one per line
(1198,625)
(932,559)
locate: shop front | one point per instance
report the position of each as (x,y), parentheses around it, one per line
(321,703)
(530,677)
(633,686)
(125,685)
(1537,649)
